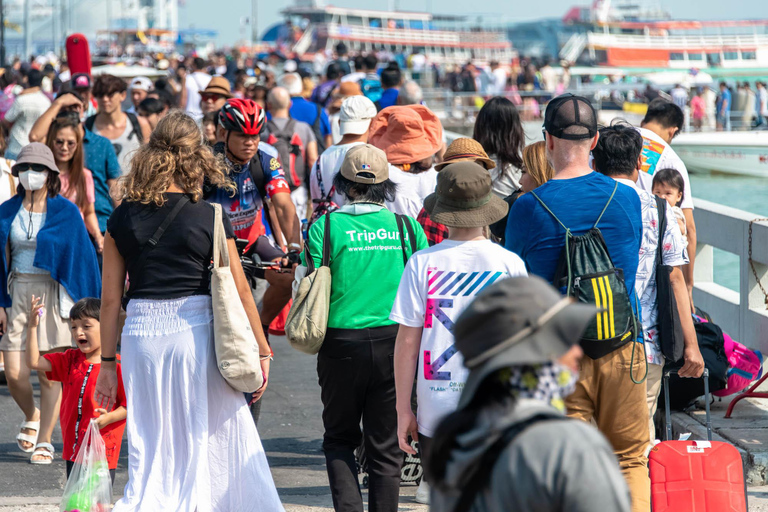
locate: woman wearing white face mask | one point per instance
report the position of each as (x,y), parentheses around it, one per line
(41,235)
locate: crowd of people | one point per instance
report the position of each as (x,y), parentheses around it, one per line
(446,324)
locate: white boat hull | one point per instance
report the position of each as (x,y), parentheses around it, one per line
(744,153)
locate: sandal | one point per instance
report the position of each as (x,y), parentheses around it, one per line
(45,450)
(29,438)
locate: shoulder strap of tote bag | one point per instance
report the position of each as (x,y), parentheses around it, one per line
(411,236)
(155,238)
(220,250)
(326,260)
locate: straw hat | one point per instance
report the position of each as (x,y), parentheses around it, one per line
(406,133)
(465,149)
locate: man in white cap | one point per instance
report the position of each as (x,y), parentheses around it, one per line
(141,86)
(355,118)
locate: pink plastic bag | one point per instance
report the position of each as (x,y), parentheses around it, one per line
(746,366)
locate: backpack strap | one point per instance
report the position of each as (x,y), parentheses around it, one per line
(325,197)
(544,205)
(136,127)
(401,219)
(567,240)
(661,206)
(615,187)
(257,175)
(90,121)
(479,480)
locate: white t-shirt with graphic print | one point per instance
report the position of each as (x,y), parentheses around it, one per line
(658,155)
(437,285)
(674,254)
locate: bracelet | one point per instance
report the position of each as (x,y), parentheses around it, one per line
(108,359)
(264,358)
(294,246)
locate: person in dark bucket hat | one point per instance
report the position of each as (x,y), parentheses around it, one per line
(464,197)
(519,339)
(437,285)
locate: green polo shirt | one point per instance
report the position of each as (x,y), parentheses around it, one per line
(366,263)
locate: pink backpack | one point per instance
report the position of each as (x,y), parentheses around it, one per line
(746,366)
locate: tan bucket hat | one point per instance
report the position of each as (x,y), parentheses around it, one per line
(34,153)
(218,85)
(464,197)
(465,149)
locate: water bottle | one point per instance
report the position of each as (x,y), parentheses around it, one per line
(304,229)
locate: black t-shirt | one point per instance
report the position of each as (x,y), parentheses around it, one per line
(178,266)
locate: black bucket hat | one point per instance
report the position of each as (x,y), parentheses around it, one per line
(516,321)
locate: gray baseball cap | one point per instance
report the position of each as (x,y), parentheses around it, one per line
(516,321)
(34,153)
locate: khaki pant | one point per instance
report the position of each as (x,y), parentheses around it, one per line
(605,392)
(653,383)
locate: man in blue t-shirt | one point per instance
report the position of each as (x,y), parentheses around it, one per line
(577,195)
(307,112)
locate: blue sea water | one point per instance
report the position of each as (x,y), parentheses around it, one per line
(742,192)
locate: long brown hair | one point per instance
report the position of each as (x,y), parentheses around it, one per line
(76,181)
(536,164)
(175,154)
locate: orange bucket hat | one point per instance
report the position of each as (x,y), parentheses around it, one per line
(406,133)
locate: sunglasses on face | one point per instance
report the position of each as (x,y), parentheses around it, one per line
(68,143)
(210,97)
(34,167)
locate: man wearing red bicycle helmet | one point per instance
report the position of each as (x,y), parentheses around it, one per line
(256,172)
(259,177)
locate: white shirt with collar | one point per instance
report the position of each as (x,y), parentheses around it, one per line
(674,254)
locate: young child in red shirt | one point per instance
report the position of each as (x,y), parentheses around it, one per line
(77,369)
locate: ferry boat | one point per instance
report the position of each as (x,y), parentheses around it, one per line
(744,153)
(632,35)
(312,27)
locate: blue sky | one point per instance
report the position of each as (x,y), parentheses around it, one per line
(205,14)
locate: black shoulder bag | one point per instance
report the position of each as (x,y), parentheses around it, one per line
(135,281)
(668,324)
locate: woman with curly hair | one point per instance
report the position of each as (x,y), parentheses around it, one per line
(192,442)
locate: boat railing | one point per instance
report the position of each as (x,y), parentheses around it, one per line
(411,36)
(741,313)
(674,42)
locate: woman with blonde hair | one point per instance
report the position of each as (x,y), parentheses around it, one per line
(192,442)
(536,168)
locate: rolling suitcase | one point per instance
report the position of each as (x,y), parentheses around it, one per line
(78,54)
(696,476)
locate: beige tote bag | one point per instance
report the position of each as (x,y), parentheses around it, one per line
(307,320)
(237,353)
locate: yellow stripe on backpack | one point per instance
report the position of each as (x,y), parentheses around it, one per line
(610,307)
(599,313)
(606,328)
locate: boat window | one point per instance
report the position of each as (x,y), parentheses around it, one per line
(676,56)
(354,20)
(731,55)
(695,56)
(713,58)
(375,22)
(750,55)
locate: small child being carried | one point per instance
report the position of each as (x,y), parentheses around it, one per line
(668,184)
(77,369)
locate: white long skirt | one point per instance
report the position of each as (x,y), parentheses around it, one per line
(192,444)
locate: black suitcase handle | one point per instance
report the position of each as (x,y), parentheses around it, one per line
(668,411)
